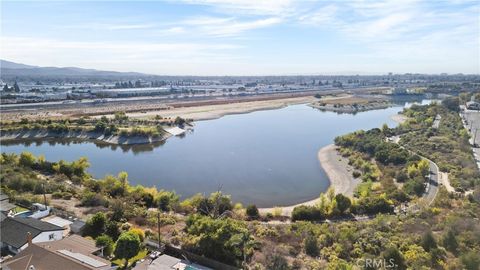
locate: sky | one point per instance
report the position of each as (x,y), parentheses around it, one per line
(246,37)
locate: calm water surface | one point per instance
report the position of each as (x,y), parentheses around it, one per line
(267,157)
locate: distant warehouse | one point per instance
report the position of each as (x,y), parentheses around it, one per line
(132,92)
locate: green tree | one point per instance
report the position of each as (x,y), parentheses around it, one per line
(105,242)
(26,159)
(311,245)
(305,212)
(123,177)
(343,203)
(471,260)
(428,241)
(452,103)
(393,257)
(127,246)
(217,239)
(450,242)
(252,211)
(95,225)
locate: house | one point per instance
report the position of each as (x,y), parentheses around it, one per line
(473,105)
(60,222)
(167,262)
(72,253)
(14,231)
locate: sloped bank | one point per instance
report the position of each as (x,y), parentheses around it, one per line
(7,136)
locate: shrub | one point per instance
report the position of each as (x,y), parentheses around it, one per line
(106,242)
(311,246)
(57,195)
(252,211)
(309,213)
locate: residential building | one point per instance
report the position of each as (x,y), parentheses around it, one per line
(14,232)
(167,262)
(72,253)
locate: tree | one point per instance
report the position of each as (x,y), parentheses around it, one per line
(179,121)
(16,88)
(311,245)
(6,88)
(428,241)
(252,211)
(450,242)
(127,246)
(304,212)
(26,159)
(218,239)
(343,203)
(452,103)
(95,225)
(471,260)
(105,242)
(112,229)
(123,177)
(393,257)
(139,232)
(424,167)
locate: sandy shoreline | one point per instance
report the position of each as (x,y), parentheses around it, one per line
(399,118)
(339,174)
(209,112)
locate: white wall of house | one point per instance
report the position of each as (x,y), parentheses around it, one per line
(45,237)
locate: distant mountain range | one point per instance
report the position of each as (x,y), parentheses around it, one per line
(10,70)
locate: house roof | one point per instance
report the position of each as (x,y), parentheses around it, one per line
(13,231)
(45,259)
(73,243)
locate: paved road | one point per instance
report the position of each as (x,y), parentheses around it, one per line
(433,182)
(432,186)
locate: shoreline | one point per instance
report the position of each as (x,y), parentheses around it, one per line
(339,174)
(32,135)
(216,111)
(399,118)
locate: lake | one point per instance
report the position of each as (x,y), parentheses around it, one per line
(266,157)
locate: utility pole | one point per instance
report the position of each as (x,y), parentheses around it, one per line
(158,228)
(44,196)
(475,137)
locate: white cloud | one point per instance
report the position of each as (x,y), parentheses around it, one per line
(129,56)
(234,28)
(323,16)
(254,7)
(109,26)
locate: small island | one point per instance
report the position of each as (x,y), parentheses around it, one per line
(117,129)
(350,103)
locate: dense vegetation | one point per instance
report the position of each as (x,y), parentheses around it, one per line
(119,125)
(446,145)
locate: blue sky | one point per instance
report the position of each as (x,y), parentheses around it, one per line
(249,37)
